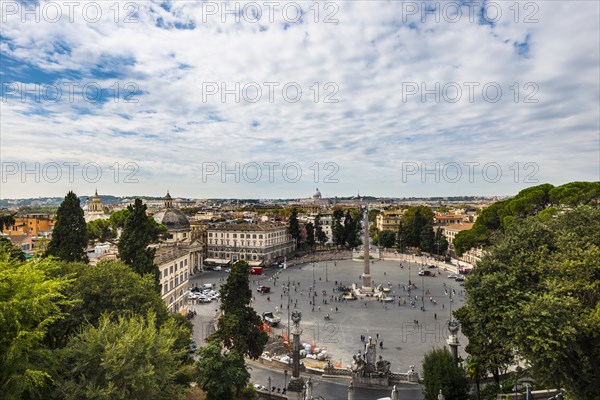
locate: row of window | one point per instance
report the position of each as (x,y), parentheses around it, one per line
(173,268)
(179,279)
(247,235)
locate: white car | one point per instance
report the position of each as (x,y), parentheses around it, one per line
(218,268)
(451,276)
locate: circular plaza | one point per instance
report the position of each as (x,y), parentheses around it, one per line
(411,321)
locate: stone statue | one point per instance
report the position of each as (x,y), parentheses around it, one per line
(309,388)
(358,366)
(296,317)
(370,352)
(441,396)
(394,395)
(383,366)
(453,326)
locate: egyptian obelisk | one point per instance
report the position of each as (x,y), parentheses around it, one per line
(366,287)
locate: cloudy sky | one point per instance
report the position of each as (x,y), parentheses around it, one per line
(273,99)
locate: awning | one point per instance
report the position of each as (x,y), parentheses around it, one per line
(216,261)
(254,263)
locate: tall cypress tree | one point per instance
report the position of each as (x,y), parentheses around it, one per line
(294,227)
(69,237)
(137,234)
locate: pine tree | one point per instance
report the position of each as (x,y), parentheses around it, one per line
(137,234)
(69,237)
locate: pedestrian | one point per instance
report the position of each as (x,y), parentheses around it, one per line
(319,308)
(435,316)
(336,309)
(377,336)
(381,344)
(443,306)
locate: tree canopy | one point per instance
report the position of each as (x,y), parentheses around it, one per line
(69,237)
(536,294)
(238,326)
(31,299)
(138,233)
(130,358)
(527,202)
(440,373)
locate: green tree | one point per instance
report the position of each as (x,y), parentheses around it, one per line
(100,230)
(440,373)
(414,221)
(110,288)
(402,237)
(536,294)
(130,358)
(350,230)
(219,372)
(320,235)
(9,252)
(69,237)
(238,325)
(427,239)
(387,239)
(137,234)
(339,234)
(310,234)
(440,243)
(528,202)
(294,225)
(7,219)
(30,300)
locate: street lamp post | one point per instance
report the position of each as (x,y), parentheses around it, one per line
(269,387)
(326,276)
(423,291)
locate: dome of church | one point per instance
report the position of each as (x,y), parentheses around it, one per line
(317,195)
(173,219)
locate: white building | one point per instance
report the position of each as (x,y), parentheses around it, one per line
(254,243)
(174,267)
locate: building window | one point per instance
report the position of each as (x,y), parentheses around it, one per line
(185,262)
(165,288)
(235,235)
(176,281)
(171,269)
(165,272)
(181,264)
(260,236)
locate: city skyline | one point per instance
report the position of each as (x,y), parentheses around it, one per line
(271,100)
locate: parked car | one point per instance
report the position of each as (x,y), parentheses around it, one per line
(217,268)
(424,272)
(460,279)
(451,276)
(193,347)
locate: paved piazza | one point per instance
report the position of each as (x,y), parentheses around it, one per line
(404,342)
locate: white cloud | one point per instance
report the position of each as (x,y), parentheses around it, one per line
(373,53)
